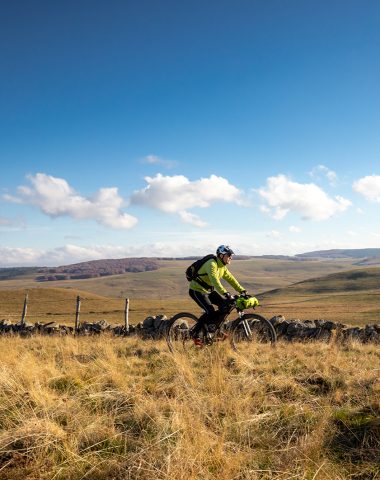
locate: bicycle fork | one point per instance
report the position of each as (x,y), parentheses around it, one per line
(247,328)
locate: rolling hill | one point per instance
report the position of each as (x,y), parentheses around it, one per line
(168,279)
(336,289)
(111,267)
(351,297)
(349,281)
(343,253)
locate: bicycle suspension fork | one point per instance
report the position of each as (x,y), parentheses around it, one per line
(247,328)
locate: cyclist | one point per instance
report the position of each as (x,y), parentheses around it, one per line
(207,291)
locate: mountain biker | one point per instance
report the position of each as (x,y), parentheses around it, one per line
(211,273)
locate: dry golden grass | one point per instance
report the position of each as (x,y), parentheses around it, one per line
(359,308)
(59,305)
(257,275)
(112,408)
(351,296)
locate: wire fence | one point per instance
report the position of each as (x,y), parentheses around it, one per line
(75,314)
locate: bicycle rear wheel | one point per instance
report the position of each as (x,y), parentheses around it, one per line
(252,327)
(178,335)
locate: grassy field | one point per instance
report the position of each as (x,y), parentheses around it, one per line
(257,275)
(102,408)
(301,290)
(351,297)
(124,408)
(59,305)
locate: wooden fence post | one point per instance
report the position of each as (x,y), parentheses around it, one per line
(76,329)
(126,315)
(24,310)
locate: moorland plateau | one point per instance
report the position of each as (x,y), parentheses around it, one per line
(340,286)
(119,408)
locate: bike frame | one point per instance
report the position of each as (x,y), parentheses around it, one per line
(240,313)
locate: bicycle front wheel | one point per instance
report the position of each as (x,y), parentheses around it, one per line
(178,335)
(252,328)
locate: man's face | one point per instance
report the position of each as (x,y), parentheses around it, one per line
(226,258)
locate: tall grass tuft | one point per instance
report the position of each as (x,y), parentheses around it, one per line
(113,408)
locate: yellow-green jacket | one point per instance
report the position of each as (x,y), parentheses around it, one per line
(212,272)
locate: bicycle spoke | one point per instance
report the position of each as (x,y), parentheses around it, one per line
(178,335)
(252,328)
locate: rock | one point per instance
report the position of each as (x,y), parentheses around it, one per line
(148,322)
(158,320)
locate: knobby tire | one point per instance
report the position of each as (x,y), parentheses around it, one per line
(259,330)
(178,332)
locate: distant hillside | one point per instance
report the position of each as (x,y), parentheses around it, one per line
(111,267)
(348,281)
(13,272)
(97,268)
(342,253)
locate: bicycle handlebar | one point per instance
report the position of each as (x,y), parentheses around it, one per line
(232,301)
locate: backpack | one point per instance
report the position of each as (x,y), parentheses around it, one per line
(192,271)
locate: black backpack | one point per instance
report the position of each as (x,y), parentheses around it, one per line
(192,271)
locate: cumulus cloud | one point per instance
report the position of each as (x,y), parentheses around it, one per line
(71,253)
(273,234)
(282,196)
(177,194)
(191,218)
(179,247)
(294,229)
(323,171)
(369,187)
(155,160)
(54,197)
(62,255)
(15,257)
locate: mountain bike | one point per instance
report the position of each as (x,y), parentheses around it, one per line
(247,327)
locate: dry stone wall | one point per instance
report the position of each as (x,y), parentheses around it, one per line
(155,327)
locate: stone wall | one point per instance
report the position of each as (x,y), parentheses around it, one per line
(155,327)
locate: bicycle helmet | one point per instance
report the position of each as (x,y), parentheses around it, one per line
(223,249)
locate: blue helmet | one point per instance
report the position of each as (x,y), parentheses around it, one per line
(223,249)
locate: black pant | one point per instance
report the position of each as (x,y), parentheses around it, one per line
(207,301)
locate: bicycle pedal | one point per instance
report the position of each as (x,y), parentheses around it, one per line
(198,342)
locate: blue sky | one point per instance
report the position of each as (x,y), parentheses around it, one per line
(167,128)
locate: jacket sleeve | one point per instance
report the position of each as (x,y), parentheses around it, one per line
(227,275)
(212,271)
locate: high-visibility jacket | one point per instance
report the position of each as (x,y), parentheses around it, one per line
(211,273)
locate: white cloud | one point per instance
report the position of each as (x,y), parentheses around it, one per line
(194,245)
(155,160)
(369,187)
(282,196)
(70,253)
(294,229)
(188,217)
(273,234)
(54,197)
(177,194)
(322,170)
